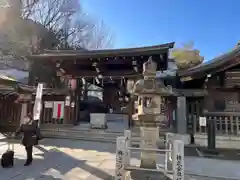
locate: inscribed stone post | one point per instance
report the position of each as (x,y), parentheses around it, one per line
(120,150)
(127,155)
(178,160)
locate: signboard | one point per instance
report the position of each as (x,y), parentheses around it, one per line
(203,121)
(119,170)
(48,104)
(178,160)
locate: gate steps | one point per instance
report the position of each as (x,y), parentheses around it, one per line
(91,135)
(87,135)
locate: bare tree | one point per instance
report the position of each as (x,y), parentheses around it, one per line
(49,24)
(51,14)
(70,24)
(99,37)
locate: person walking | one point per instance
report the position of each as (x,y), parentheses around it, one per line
(30,137)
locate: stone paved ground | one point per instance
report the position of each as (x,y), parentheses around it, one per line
(81,160)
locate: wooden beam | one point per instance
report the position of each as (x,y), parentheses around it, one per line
(190,92)
(133,76)
(108,73)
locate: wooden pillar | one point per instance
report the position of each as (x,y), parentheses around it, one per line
(72,112)
(19,110)
(75,99)
(110,96)
(130,110)
(75,108)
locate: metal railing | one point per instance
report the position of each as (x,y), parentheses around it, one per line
(173,166)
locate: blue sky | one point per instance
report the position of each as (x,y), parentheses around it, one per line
(213,25)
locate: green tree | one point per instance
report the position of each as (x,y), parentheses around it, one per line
(187,56)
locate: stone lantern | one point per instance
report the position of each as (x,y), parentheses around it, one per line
(150,104)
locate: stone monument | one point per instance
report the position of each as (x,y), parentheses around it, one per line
(150,95)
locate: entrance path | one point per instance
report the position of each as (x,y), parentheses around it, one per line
(81,160)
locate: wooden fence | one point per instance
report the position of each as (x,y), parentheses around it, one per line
(227,123)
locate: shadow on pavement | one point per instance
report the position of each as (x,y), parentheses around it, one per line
(54,164)
(77,144)
(19,168)
(75,168)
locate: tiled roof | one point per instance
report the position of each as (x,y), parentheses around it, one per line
(103,53)
(7,78)
(211,64)
(7,91)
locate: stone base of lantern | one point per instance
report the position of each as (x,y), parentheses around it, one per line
(147,120)
(149,138)
(143,175)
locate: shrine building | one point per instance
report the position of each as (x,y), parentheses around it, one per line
(74,71)
(220,77)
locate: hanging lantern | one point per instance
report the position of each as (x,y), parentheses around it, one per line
(73,84)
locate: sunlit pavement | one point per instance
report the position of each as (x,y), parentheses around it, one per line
(81,160)
(63,159)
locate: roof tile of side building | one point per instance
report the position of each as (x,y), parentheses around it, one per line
(217,62)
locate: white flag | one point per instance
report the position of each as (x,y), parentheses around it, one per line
(37,103)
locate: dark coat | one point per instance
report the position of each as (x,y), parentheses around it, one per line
(29,134)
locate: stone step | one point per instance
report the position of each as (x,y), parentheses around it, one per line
(80,137)
(84,131)
(91,135)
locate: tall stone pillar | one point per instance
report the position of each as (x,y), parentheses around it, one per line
(181,115)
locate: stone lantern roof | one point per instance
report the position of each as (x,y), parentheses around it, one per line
(149,85)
